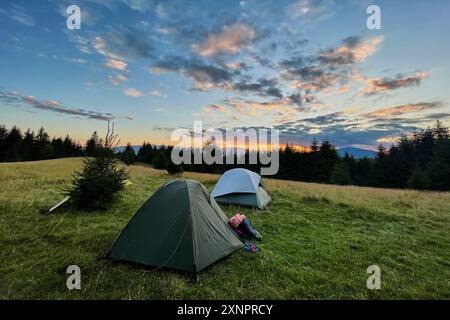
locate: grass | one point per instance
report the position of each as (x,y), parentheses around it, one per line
(318,242)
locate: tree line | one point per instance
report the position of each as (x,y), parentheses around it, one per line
(419,160)
(32,146)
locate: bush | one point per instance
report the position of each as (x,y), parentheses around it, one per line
(173,169)
(98,184)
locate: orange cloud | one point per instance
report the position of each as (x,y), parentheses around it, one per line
(352,51)
(117,79)
(378,85)
(218,108)
(399,110)
(134,93)
(231,39)
(116,64)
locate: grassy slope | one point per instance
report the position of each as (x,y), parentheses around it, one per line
(318,242)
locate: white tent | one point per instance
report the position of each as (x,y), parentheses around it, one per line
(241,187)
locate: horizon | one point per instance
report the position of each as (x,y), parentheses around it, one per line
(308,68)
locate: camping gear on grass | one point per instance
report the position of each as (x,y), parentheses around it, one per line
(250,247)
(241,187)
(247,229)
(242,227)
(237,219)
(180,226)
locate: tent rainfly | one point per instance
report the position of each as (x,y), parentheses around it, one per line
(241,187)
(179,227)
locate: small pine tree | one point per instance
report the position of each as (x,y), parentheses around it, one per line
(98,184)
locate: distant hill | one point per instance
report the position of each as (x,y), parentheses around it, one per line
(122,148)
(357,152)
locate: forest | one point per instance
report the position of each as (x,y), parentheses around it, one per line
(419,160)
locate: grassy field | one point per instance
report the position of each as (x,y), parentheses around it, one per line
(318,242)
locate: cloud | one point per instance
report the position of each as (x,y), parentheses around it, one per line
(255,108)
(353,50)
(143,6)
(76,60)
(341,134)
(134,93)
(311,11)
(262,87)
(390,112)
(121,44)
(327,71)
(20,15)
(17,99)
(379,86)
(116,80)
(327,119)
(230,40)
(80,42)
(116,64)
(156,93)
(217,107)
(101,47)
(206,76)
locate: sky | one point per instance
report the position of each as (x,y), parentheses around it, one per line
(307,68)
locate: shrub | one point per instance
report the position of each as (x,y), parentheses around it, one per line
(173,169)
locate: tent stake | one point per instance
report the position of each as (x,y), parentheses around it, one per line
(56,206)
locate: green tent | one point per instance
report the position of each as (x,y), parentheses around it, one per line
(180,227)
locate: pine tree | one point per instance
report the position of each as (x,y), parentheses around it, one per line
(92,145)
(28,147)
(128,156)
(13,143)
(341,174)
(439,168)
(101,179)
(3,135)
(440,132)
(44,148)
(327,158)
(160,160)
(418,179)
(314,145)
